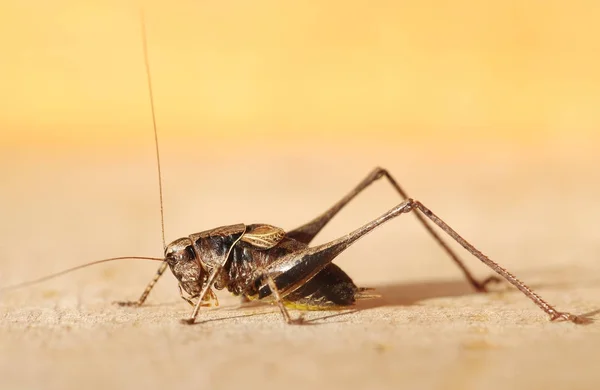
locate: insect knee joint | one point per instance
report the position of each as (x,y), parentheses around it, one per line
(380,172)
(409,205)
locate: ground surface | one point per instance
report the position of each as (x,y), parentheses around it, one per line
(427,331)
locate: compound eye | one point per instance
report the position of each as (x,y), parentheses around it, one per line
(175,256)
(184,254)
(171,257)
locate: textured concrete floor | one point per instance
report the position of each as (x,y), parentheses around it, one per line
(427,331)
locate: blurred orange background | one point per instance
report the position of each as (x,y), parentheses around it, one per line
(270,111)
(72,72)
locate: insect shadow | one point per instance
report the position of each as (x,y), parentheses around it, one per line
(401,294)
(407,294)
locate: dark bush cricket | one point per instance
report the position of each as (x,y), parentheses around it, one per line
(265,263)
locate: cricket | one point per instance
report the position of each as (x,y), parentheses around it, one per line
(261,262)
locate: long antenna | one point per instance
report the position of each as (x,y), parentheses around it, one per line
(43,279)
(149,79)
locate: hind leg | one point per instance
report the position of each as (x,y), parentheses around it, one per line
(308,231)
(296,269)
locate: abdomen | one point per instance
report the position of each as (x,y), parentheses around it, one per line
(329,288)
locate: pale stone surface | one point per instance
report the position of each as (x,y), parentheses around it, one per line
(428,331)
